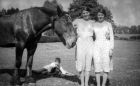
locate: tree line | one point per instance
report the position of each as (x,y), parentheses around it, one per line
(134,29)
(8,11)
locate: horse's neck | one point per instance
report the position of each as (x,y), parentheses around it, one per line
(49,11)
(47,27)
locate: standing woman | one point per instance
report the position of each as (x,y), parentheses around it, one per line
(84,46)
(103,47)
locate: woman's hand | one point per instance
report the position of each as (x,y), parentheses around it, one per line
(111,52)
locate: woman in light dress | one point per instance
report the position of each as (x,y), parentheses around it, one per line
(84,46)
(103,47)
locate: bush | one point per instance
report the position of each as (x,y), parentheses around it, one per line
(122,38)
(138,37)
(127,36)
(116,38)
(135,37)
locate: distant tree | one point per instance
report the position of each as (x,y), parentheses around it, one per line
(16,10)
(12,10)
(133,29)
(138,29)
(78,5)
(3,11)
(127,30)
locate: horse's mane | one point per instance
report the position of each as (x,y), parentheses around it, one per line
(52,5)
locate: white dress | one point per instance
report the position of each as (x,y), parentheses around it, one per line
(103,43)
(84,45)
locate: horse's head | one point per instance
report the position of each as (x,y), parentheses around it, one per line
(64,29)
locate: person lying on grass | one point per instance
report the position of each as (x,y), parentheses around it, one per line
(54,68)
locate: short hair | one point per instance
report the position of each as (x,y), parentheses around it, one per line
(58,59)
(102,11)
(86,9)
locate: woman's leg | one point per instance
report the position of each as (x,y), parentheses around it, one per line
(106,63)
(105,77)
(98,64)
(82,77)
(98,75)
(86,78)
(88,65)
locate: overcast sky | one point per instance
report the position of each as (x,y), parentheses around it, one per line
(125,12)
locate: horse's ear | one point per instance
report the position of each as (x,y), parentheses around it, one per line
(59,10)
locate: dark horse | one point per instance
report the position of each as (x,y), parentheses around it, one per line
(23,31)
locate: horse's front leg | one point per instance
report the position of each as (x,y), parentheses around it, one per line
(30,50)
(18,62)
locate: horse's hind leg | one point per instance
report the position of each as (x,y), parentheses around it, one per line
(18,61)
(30,50)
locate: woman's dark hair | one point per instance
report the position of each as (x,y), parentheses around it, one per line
(58,59)
(84,9)
(102,11)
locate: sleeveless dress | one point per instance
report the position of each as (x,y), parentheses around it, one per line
(103,43)
(84,44)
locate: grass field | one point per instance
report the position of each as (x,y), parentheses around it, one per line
(126,64)
(127,36)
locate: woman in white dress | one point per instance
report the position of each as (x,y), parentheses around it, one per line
(103,47)
(84,46)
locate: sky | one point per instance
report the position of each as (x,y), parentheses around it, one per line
(125,12)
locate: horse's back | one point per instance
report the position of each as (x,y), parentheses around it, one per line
(22,23)
(9,25)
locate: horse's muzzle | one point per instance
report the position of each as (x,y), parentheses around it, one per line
(71,42)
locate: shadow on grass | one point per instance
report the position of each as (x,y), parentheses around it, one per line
(37,77)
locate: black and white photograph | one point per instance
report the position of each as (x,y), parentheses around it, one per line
(69,43)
